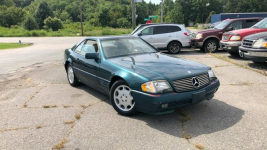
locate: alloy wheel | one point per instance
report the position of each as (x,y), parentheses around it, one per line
(70,74)
(211,47)
(123,98)
(174,48)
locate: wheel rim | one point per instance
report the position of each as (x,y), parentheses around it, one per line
(123,98)
(211,47)
(70,74)
(174,48)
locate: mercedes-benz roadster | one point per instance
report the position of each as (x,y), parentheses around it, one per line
(136,76)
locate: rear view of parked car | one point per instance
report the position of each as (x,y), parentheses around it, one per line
(254,47)
(232,40)
(209,40)
(164,36)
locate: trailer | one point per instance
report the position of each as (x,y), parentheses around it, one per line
(223,16)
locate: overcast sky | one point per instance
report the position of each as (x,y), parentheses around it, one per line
(153,1)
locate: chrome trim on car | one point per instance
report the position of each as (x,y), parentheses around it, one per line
(187,84)
(91,74)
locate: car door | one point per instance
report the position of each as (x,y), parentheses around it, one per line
(147,35)
(88,68)
(162,36)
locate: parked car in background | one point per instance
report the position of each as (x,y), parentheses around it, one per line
(232,40)
(254,47)
(164,36)
(136,76)
(209,40)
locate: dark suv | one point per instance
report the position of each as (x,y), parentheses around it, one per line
(209,40)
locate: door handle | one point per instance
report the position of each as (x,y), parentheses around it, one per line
(151,38)
(77,59)
(170,36)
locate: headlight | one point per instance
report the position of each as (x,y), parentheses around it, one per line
(211,75)
(260,43)
(199,36)
(156,86)
(235,38)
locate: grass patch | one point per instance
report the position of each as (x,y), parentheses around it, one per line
(38,127)
(72,29)
(4,46)
(61,144)
(78,116)
(69,122)
(49,106)
(199,146)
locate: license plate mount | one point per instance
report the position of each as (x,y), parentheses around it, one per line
(199,96)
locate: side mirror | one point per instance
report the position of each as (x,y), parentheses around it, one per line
(230,29)
(139,34)
(91,56)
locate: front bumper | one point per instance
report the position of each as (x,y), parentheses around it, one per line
(198,43)
(154,104)
(258,55)
(230,46)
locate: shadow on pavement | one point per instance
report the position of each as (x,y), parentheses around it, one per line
(262,65)
(206,117)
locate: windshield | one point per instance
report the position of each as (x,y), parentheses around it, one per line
(261,25)
(127,46)
(137,29)
(222,25)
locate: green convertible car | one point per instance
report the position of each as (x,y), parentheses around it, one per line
(136,76)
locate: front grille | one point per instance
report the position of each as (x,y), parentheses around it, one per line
(185,84)
(225,37)
(247,43)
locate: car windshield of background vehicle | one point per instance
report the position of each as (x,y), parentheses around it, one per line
(123,47)
(261,25)
(222,25)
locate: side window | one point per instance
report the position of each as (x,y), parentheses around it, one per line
(148,31)
(89,46)
(175,29)
(79,48)
(236,25)
(162,29)
(250,23)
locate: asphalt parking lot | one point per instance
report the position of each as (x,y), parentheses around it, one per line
(40,110)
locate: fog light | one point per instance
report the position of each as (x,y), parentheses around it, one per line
(164,105)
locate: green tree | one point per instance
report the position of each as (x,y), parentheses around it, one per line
(64,16)
(53,23)
(30,23)
(43,11)
(11,16)
(209,17)
(123,23)
(176,14)
(7,3)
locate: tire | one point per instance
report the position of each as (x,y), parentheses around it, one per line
(72,77)
(211,46)
(174,47)
(121,99)
(233,54)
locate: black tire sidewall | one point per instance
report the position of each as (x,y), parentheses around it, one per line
(211,41)
(180,46)
(111,95)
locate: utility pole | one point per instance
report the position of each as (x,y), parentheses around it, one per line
(133,15)
(81,16)
(162,5)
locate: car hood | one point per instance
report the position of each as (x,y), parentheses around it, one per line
(248,31)
(209,31)
(262,35)
(156,66)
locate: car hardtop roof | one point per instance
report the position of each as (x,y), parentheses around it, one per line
(151,24)
(110,37)
(244,18)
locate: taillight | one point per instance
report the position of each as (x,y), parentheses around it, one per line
(186,33)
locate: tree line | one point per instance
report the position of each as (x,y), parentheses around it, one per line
(50,14)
